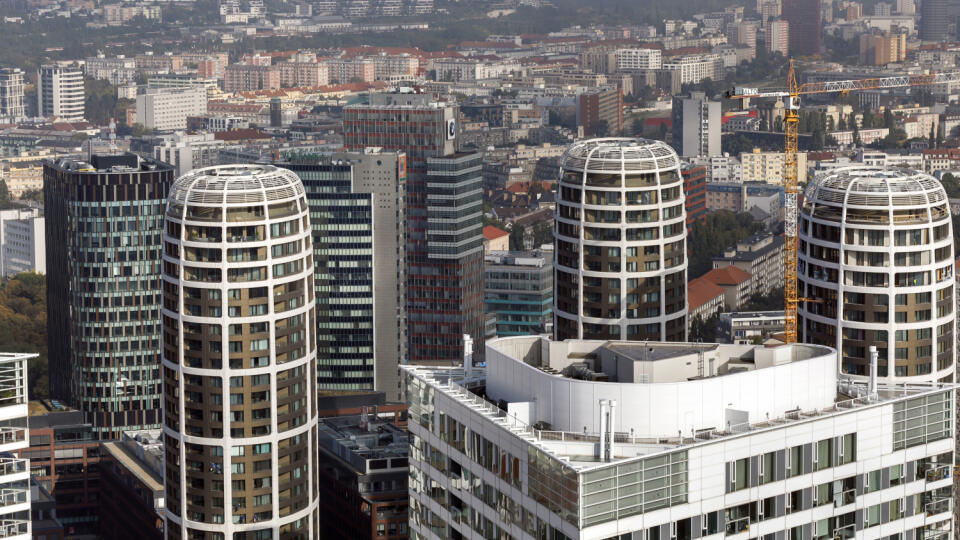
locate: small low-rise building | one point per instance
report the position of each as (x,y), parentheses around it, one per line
(495,239)
(751,327)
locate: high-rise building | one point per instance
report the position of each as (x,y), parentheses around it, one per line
(599,439)
(104,218)
(893,286)
(620,247)
(777,37)
(444,290)
(22,247)
(15,472)
(239,374)
(358,214)
(696,125)
(933,20)
(60,92)
(518,289)
(11,94)
(600,111)
(805,26)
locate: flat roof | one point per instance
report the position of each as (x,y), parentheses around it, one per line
(134,465)
(641,351)
(453,383)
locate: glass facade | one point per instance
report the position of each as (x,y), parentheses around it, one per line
(518,288)
(103,238)
(444,293)
(342,224)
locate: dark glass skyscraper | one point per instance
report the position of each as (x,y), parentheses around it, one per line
(933,20)
(805,26)
(104,222)
(357,215)
(444,268)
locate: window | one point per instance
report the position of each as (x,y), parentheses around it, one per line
(848,449)
(794,463)
(823,455)
(737,471)
(767,468)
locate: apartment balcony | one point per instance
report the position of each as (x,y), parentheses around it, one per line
(12,438)
(15,529)
(11,467)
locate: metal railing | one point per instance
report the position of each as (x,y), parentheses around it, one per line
(10,466)
(13,527)
(10,496)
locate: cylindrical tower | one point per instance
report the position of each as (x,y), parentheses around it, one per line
(240,418)
(620,243)
(876,258)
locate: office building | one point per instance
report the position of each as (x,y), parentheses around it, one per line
(168,109)
(518,289)
(103,223)
(933,20)
(118,70)
(60,92)
(696,125)
(357,216)
(695,194)
(693,68)
(64,456)
(11,94)
(600,111)
(22,246)
(620,247)
(600,439)
(363,478)
(239,357)
(893,288)
(777,37)
(131,487)
(15,522)
(444,289)
(805,26)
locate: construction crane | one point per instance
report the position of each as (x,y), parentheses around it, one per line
(791,101)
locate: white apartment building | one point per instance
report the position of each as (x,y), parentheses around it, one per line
(680,441)
(117,70)
(694,68)
(767,167)
(387,66)
(14,435)
(746,326)
(469,70)
(167,110)
(637,59)
(11,93)
(189,151)
(22,247)
(60,92)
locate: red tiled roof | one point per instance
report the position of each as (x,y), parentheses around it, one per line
(730,275)
(492,233)
(701,291)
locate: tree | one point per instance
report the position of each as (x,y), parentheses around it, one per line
(516,238)
(720,230)
(663,131)
(932,139)
(888,120)
(4,194)
(704,330)
(940,135)
(952,186)
(778,124)
(23,326)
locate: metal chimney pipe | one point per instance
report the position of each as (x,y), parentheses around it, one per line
(603,430)
(613,426)
(874,367)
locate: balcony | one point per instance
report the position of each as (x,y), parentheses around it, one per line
(12,496)
(13,528)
